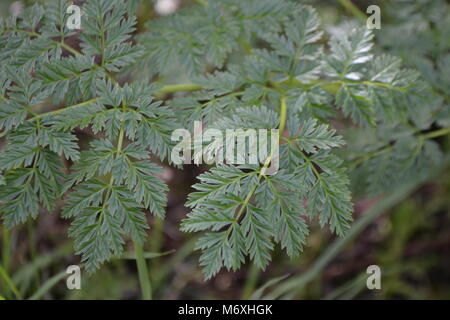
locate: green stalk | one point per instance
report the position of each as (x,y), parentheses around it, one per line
(144,279)
(33,250)
(202,2)
(156,245)
(48,285)
(159,275)
(158,235)
(6,252)
(184,87)
(330,86)
(281,127)
(436,133)
(82,104)
(4,275)
(250,283)
(296,284)
(354,10)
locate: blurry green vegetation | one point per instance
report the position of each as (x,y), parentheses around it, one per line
(410,242)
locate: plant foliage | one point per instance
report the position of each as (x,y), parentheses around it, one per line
(324,93)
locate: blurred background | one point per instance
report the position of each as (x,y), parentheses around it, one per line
(406,234)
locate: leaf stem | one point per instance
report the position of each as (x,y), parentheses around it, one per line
(293,286)
(9,283)
(144,279)
(178,88)
(368,156)
(49,284)
(54,112)
(283,117)
(331,86)
(250,283)
(430,135)
(6,253)
(163,90)
(6,248)
(37,35)
(68,48)
(202,2)
(281,126)
(120,143)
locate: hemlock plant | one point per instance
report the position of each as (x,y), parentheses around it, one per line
(111,80)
